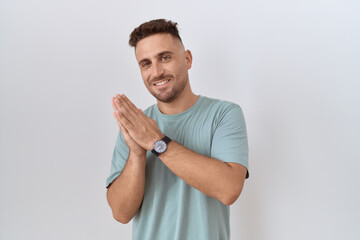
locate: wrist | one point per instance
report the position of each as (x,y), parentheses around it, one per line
(138,153)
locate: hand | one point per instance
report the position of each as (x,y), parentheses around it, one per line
(142,129)
(133,146)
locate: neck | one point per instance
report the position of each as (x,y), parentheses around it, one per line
(184,101)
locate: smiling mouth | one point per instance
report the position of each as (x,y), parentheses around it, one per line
(161,83)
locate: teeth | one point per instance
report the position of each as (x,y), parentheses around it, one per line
(161,83)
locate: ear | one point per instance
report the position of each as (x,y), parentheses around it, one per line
(188,58)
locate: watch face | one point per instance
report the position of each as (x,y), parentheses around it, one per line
(160,146)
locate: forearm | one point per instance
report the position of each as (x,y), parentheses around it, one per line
(212,177)
(126,192)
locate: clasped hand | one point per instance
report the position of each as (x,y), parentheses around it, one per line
(140,132)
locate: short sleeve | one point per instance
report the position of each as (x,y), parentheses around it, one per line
(230,143)
(119,158)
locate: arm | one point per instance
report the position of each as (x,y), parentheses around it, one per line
(215,178)
(125,194)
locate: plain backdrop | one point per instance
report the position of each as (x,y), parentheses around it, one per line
(293,67)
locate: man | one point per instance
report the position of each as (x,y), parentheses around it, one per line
(178,165)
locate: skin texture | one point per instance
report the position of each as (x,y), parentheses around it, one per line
(162,57)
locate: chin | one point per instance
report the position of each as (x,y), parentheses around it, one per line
(170,95)
(166,98)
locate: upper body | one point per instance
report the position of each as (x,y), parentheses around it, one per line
(184,193)
(171,208)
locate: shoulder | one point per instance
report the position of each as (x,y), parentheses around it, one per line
(220,107)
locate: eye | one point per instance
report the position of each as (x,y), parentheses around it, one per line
(165,58)
(145,64)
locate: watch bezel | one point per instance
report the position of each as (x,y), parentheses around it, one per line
(164,142)
(160,143)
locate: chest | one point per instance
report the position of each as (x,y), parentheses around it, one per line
(195,133)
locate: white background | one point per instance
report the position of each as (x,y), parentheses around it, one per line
(293,66)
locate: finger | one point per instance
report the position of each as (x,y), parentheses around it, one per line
(129,103)
(116,118)
(120,105)
(137,112)
(131,114)
(123,120)
(114,104)
(117,100)
(122,128)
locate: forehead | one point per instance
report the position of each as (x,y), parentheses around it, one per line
(154,44)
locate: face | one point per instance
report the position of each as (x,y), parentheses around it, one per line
(164,66)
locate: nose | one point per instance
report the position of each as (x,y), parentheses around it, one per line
(157,70)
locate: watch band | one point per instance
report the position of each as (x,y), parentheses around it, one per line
(166,139)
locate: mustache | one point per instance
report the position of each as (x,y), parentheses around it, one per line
(161,77)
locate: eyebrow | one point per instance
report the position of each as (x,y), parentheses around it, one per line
(159,55)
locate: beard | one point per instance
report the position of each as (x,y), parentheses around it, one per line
(169,95)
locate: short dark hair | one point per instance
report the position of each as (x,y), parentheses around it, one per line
(152,27)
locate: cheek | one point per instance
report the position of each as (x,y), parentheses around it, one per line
(144,76)
(175,69)
(181,70)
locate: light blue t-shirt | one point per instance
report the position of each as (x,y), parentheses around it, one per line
(172,209)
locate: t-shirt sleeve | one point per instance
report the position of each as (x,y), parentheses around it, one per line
(230,143)
(119,158)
